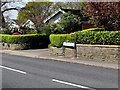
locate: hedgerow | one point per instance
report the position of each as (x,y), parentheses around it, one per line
(99,37)
(87,37)
(34,40)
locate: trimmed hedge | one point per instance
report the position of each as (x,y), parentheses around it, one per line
(33,40)
(94,29)
(87,37)
(99,37)
(57,39)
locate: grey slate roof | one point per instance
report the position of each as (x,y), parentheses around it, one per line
(73,11)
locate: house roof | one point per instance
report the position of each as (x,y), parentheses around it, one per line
(75,12)
(19,22)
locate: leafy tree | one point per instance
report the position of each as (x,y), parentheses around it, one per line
(36,11)
(67,24)
(103,14)
(67,5)
(70,22)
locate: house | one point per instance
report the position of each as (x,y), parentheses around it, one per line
(29,23)
(21,25)
(15,24)
(56,16)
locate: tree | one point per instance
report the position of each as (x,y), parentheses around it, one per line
(4,8)
(67,5)
(103,14)
(68,23)
(36,11)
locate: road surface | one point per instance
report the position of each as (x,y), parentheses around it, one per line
(25,72)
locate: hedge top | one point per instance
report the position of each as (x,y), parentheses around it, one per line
(89,36)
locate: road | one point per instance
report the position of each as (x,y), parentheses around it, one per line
(25,72)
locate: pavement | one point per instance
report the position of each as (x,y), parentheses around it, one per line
(44,54)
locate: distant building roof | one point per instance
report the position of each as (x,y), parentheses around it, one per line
(19,22)
(73,11)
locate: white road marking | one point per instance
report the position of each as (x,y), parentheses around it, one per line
(15,70)
(71,84)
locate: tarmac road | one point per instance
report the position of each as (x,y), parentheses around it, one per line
(25,72)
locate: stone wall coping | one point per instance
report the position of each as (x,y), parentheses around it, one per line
(89,45)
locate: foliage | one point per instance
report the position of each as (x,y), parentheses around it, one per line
(103,14)
(99,37)
(33,40)
(67,24)
(53,28)
(67,5)
(36,11)
(57,39)
(87,37)
(6,31)
(94,29)
(70,22)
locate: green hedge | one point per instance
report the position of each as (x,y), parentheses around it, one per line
(99,37)
(94,29)
(34,40)
(87,37)
(57,39)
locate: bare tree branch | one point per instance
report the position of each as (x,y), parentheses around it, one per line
(3,3)
(9,9)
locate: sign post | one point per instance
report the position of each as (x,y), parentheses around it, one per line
(69,44)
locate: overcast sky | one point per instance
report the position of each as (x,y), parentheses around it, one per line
(13,14)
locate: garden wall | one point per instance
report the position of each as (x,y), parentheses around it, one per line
(16,46)
(95,52)
(99,52)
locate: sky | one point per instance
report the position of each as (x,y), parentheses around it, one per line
(13,13)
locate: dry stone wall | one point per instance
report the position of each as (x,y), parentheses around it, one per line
(93,52)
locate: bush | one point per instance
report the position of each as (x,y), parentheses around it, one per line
(57,39)
(87,37)
(53,28)
(99,37)
(94,29)
(67,24)
(33,40)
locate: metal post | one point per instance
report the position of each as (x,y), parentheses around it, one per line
(75,51)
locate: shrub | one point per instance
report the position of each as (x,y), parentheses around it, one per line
(57,39)
(72,37)
(94,29)
(67,24)
(99,37)
(33,40)
(87,37)
(53,28)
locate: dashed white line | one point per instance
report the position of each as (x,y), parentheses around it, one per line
(71,84)
(11,69)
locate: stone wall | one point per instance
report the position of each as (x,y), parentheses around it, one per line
(15,46)
(99,52)
(92,52)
